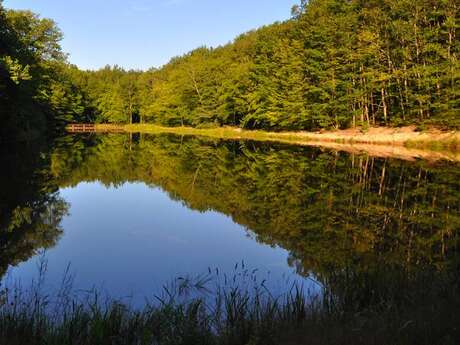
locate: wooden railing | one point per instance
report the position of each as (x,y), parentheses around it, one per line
(92,128)
(81,127)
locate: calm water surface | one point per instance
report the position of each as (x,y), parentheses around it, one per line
(131,212)
(133,238)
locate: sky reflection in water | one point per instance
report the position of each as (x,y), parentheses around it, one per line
(133,239)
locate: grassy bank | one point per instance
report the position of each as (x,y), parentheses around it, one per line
(403,143)
(206,310)
(405,136)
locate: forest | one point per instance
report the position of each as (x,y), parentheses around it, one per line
(335,64)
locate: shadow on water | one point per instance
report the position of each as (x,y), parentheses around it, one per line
(381,235)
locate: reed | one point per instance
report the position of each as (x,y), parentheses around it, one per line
(240,310)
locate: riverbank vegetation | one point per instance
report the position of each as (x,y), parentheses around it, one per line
(420,310)
(335,64)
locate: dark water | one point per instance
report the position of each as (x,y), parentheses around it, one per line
(131,212)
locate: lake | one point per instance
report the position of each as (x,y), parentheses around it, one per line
(128,213)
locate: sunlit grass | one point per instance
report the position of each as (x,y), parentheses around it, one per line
(218,132)
(450,144)
(428,141)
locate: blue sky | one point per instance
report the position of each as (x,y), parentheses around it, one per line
(147,33)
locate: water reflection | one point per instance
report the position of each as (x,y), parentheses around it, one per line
(350,220)
(31,209)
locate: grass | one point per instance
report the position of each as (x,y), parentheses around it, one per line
(408,136)
(240,310)
(217,133)
(452,144)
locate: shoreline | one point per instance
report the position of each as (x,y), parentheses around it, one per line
(403,143)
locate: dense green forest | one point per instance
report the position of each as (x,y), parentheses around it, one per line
(334,64)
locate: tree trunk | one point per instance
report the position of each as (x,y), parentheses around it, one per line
(384,103)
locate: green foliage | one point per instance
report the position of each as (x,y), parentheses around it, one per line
(335,64)
(36,92)
(16,71)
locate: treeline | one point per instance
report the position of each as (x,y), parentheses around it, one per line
(334,64)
